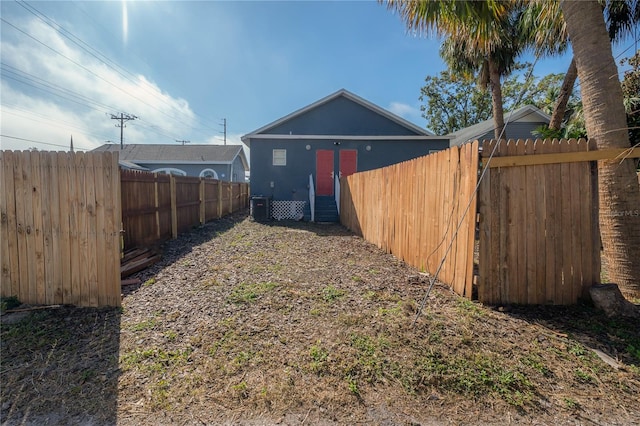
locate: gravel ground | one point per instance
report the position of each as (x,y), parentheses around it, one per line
(298,323)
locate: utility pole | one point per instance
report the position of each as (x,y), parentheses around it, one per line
(123,117)
(224,131)
(183,142)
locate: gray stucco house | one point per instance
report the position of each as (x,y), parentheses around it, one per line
(522,122)
(295,160)
(222,162)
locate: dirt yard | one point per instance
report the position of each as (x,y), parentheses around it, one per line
(296,323)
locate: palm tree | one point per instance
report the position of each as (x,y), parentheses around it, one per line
(479,38)
(543,24)
(605,120)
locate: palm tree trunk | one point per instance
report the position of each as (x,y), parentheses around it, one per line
(496,97)
(566,90)
(605,120)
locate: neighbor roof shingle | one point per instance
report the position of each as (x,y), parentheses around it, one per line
(175,153)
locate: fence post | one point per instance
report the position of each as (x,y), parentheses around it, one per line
(174,209)
(156,203)
(219,199)
(202,202)
(230,198)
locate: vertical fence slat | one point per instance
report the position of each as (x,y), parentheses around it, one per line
(21,179)
(39,215)
(470,167)
(48,179)
(537,178)
(101,252)
(114,223)
(486,221)
(10,268)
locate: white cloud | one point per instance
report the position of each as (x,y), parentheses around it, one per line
(87,92)
(405,111)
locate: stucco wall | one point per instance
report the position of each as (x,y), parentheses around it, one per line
(340,116)
(516,130)
(290,182)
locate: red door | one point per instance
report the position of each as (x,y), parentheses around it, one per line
(324,172)
(348,162)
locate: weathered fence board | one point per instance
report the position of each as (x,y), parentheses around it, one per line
(60,227)
(538,225)
(420,210)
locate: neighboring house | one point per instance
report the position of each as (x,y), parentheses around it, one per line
(336,136)
(222,162)
(521,123)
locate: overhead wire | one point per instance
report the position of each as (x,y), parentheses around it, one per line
(40,142)
(93,73)
(56,123)
(131,77)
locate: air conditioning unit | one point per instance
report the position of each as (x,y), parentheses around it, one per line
(260,208)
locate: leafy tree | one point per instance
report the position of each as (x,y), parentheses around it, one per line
(452,102)
(631,92)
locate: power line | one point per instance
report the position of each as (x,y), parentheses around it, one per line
(51,121)
(56,90)
(40,142)
(131,77)
(123,118)
(106,61)
(88,70)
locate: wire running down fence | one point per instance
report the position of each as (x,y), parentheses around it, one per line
(538,235)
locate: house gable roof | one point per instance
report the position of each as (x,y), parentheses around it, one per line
(173,154)
(529,113)
(408,126)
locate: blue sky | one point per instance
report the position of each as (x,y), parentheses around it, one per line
(182,67)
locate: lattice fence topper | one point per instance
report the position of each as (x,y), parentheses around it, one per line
(282,210)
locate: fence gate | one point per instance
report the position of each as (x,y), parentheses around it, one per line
(539,235)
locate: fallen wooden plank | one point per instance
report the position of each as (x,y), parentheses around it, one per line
(32,308)
(132,254)
(133,267)
(131,281)
(144,255)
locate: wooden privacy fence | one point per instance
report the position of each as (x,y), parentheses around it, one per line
(539,238)
(539,234)
(60,222)
(156,207)
(412,210)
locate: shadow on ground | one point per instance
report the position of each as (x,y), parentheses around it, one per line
(320,229)
(60,366)
(617,337)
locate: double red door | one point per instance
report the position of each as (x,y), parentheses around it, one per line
(325,168)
